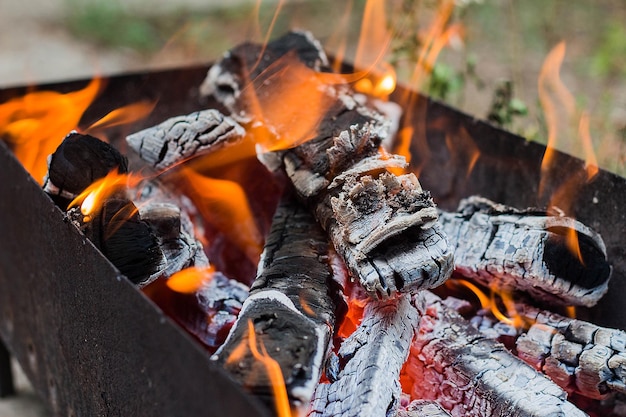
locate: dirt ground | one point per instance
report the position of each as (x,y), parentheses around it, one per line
(54,40)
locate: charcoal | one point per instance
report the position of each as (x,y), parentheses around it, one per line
(422,408)
(514,250)
(124,239)
(77,162)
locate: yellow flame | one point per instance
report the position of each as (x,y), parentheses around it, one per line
(274,373)
(92,198)
(189,280)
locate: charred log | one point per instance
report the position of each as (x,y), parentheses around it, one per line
(183,137)
(366,379)
(291,306)
(529,251)
(370,214)
(469,374)
(124,238)
(172,227)
(77,162)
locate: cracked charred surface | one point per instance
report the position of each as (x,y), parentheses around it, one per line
(292,308)
(373,217)
(422,408)
(369,361)
(504,248)
(470,374)
(180,138)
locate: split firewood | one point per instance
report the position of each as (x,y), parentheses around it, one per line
(469,374)
(366,379)
(422,408)
(180,138)
(554,258)
(291,308)
(382,224)
(123,238)
(77,162)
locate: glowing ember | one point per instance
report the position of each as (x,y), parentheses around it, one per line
(189,280)
(35,124)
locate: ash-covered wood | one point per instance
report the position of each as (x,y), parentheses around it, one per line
(529,251)
(77,162)
(369,361)
(183,137)
(124,238)
(422,408)
(371,215)
(292,308)
(578,355)
(468,374)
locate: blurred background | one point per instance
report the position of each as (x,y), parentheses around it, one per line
(501,60)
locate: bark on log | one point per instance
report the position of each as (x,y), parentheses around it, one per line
(183,137)
(77,162)
(367,381)
(505,248)
(371,215)
(469,374)
(291,305)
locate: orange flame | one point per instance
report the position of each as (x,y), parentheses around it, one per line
(591,163)
(281,400)
(550,84)
(224,204)
(92,198)
(189,280)
(124,115)
(512,317)
(34,125)
(572,243)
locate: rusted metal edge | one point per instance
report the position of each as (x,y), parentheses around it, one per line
(88,340)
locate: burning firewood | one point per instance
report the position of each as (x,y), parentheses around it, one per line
(579,356)
(77,162)
(123,237)
(382,224)
(172,227)
(291,308)
(554,258)
(183,137)
(365,380)
(469,374)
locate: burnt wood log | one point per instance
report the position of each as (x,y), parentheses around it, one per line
(504,248)
(468,374)
(172,227)
(123,238)
(291,306)
(377,221)
(578,355)
(366,379)
(77,162)
(180,138)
